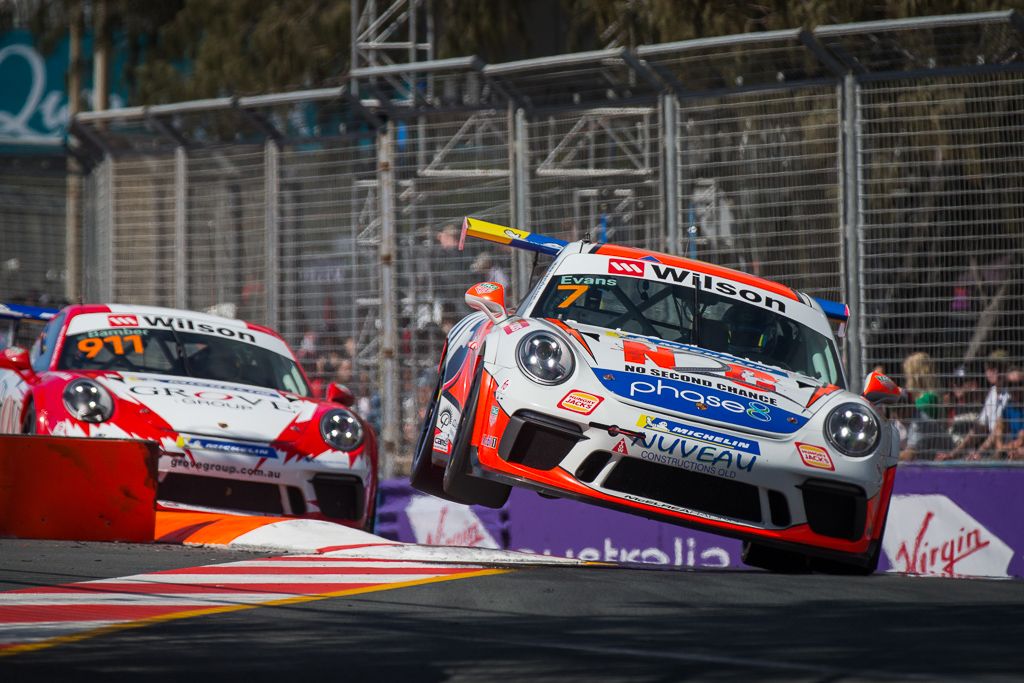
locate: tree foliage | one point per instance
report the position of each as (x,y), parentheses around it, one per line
(643,22)
(188,49)
(213,48)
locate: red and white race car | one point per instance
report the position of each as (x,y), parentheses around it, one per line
(225,400)
(668,388)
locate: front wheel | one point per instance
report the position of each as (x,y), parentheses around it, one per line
(426,476)
(850,568)
(457,482)
(28,424)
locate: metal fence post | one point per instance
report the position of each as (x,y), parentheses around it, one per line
(180,227)
(670,173)
(520,191)
(390,413)
(851,281)
(107,249)
(271,219)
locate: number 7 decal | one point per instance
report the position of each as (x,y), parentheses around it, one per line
(576,291)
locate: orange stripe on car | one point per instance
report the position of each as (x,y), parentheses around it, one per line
(572,333)
(700,267)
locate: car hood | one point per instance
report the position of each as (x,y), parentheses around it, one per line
(199,406)
(699,383)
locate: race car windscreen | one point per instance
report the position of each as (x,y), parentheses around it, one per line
(689,315)
(176,352)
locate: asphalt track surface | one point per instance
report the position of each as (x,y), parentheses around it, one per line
(544,623)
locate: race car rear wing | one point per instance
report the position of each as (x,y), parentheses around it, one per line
(513,237)
(23,312)
(13,314)
(521,239)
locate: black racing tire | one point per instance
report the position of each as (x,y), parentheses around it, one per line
(371,518)
(28,423)
(457,482)
(774,559)
(840,568)
(425,476)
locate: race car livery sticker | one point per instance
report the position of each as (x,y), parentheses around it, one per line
(515,326)
(573,292)
(618,266)
(215,398)
(662,424)
(743,381)
(580,402)
(447,423)
(485,288)
(696,356)
(119,345)
(815,456)
(716,284)
(700,400)
(680,509)
(234,447)
(123,320)
(621,447)
(694,456)
(100,323)
(490,441)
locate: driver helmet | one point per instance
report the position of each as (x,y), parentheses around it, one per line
(749,330)
(221,362)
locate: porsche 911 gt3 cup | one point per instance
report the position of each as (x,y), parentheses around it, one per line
(225,400)
(669,388)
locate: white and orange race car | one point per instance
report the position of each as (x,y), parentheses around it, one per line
(225,400)
(669,388)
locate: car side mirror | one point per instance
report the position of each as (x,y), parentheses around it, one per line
(878,388)
(15,358)
(489,298)
(339,393)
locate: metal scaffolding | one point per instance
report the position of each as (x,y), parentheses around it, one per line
(874,163)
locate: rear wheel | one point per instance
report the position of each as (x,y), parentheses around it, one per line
(850,568)
(774,559)
(457,482)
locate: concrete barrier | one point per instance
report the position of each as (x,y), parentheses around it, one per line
(61,488)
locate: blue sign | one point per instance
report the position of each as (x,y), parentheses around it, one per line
(660,424)
(254,450)
(700,401)
(34,99)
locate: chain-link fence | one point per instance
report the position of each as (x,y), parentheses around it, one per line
(33,190)
(880,164)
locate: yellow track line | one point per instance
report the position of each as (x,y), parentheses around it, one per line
(138,623)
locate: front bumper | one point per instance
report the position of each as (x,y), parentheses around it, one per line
(324,486)
(710,477)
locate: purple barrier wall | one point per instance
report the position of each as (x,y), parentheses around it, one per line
(947,521)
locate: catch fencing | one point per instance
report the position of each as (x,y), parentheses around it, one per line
(879,164)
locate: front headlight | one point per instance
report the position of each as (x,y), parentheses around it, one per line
(88,401)
(853,429)
(341,429)
(544,357)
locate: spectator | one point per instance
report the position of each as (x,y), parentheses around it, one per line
(964,401)
(926,435)
(486,270)
(984,429)
(452,266)
(1010,429)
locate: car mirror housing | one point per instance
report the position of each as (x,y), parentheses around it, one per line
(15,358)
(489,298)
(339,393)
(878,389)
